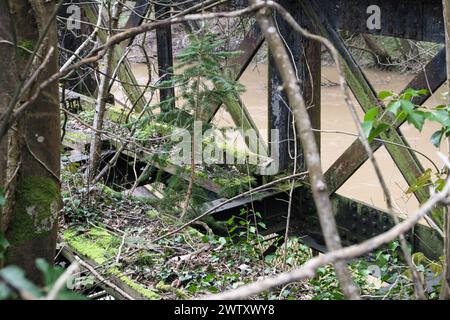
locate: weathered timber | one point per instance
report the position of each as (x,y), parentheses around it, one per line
(165,56)
(419,20)
(432,77)
(411,19)
(174,170)
(404,158)
(71,40)
(306,57)
(127,291)
(125,74)
(137,15)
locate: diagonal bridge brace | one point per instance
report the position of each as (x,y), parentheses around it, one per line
(432,77)
(404,158)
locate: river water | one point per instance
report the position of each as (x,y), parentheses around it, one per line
(363,184)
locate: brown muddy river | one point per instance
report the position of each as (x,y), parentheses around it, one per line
(335,117)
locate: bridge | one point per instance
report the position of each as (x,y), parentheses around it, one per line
(410,19)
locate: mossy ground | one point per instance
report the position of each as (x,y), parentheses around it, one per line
(160,270)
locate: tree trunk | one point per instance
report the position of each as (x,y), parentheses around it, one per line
(7,80)
(445,294)
(102,98)
(34,149)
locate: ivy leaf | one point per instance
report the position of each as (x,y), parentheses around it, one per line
(411,93)
(377,131)
(385,94)
(417,119)
(367,127)
(371,114)
(407,106)
(436,138)
(441,116)
(401,117)
(394,106)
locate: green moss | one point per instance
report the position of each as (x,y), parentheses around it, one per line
(24,47)
(167,218)
(100,246)
(96,244)
(111,193)
(202,175)
(154,129)
(161,286)
(77,136)
(152,214)
(195,233)
(146,293)
(116,114)
(37,206)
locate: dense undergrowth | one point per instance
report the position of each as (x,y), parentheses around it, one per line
(117,231)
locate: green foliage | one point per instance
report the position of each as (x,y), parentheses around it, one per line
(152,130)
(401,106)
(326,286)
(2,197)
(202,65)
(396,275)
(4,244)
(201,83)
(231,187)
(24,47)
(436,180)
(15,285)
(403,109)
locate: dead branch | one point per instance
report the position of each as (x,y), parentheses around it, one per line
(304,129)
(103,279)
